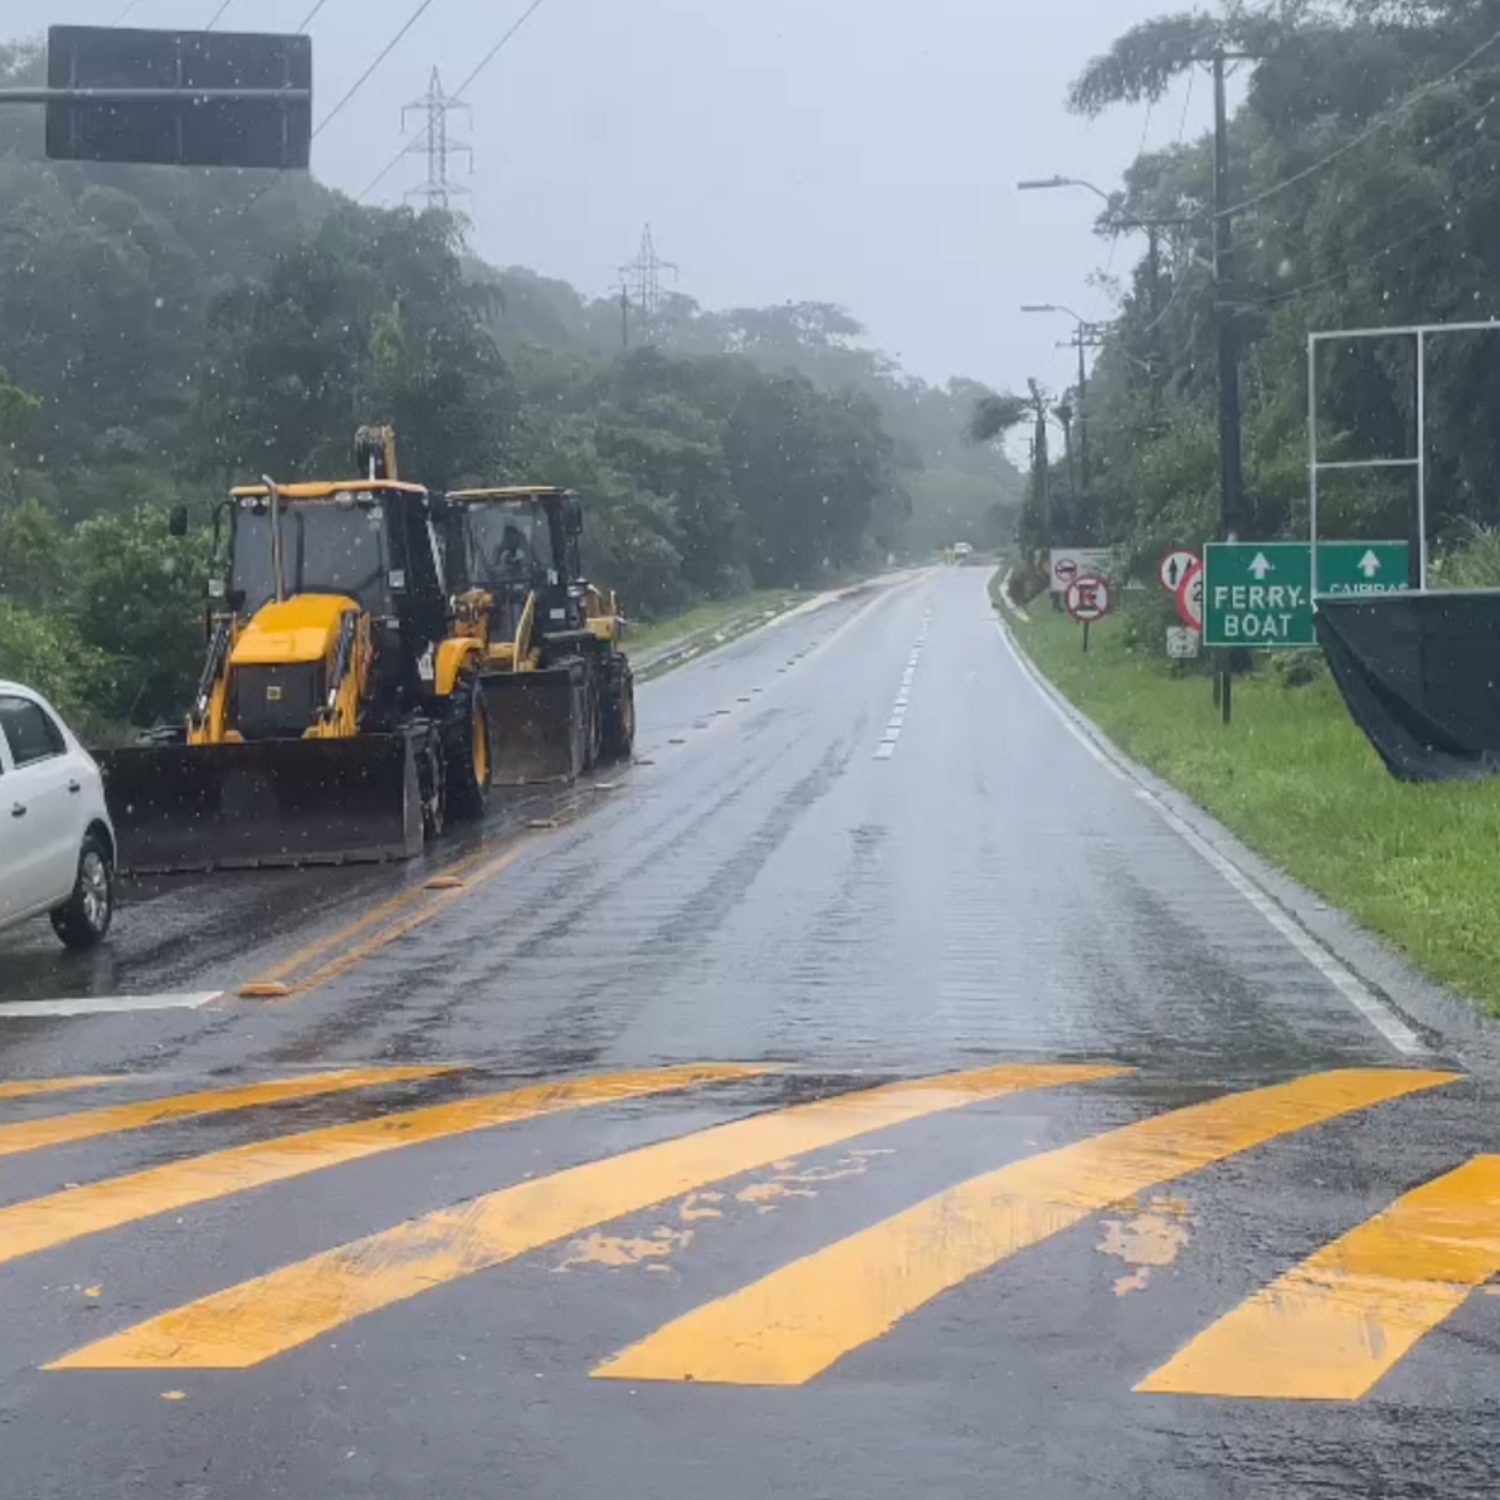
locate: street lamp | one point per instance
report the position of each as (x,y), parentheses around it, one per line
(1036,184)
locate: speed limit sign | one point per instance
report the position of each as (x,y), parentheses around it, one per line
(1190,598)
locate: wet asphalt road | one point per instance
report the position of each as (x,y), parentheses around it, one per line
(612,1168)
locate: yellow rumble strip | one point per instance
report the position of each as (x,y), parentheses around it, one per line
(26,1088)
(273,1313)
(796,1322)
(1333,1326)
(42,1223)
(57,1130)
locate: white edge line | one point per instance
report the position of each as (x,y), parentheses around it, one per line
(105,1005)
(1376,1012)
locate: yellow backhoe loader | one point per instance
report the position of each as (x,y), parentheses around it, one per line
(558,690)
(339,717)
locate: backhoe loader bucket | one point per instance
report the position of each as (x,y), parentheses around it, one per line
(271,802)
(536,724)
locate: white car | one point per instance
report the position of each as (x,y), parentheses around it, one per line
(57,845)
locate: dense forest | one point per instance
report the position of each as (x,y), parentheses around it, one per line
(164,333)
(1365,170)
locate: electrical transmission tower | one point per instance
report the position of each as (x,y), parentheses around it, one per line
(640,287)
(436,144)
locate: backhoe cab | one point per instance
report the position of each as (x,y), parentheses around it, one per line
(558,689)
(338,717)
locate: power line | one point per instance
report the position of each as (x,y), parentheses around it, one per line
(358,85)
(311,16)
(364,77)
(218,15)
(1446,218)
(1387,119)
(457,94)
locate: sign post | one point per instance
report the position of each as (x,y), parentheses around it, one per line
(1089,598)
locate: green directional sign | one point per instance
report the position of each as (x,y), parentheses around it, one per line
(1260,594)
(1363,567)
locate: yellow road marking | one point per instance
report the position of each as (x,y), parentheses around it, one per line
(42,1223)
(316,949)
(796,1322)
(56,1130)
(25,1088)
(1336,1324)
(276,1312)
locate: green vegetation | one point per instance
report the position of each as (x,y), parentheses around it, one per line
(168,332)
(1298,782)
(732,616)
(1365,157)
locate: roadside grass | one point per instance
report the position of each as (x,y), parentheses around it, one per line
(717,614)
(1297,781)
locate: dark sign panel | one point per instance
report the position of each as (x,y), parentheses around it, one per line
(208,129)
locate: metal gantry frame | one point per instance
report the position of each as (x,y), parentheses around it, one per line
(1419,333)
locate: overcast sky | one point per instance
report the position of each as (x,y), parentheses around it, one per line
(856,151)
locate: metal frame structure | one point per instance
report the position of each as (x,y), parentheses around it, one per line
(1420,332)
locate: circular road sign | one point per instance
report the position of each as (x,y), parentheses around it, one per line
(1175,566)
(1190,598)
(1089,598)
(1065,570)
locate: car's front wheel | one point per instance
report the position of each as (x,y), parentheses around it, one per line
(83,920)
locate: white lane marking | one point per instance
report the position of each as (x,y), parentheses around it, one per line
(1354,990)
(886,749)
(105,1005)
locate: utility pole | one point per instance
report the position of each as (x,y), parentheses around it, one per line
(1231,461)
(641,282)
(436,144)
(1085,336)
(624,317)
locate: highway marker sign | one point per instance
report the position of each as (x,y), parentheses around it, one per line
(1089,598)
(1190,598)
(1182,642)
(1260,594)
(1175,566)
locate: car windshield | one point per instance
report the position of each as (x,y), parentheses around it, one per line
(508,541)
(328,547)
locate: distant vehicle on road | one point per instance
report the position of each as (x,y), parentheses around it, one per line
(961,550)
(57,845)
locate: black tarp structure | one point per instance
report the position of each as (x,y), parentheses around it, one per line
(1419,673)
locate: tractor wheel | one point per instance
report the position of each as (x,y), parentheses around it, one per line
(466,751)
(619,715)
(593,722)
(432,784)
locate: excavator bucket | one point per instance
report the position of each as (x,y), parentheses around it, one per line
(271,802)
(536,724)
